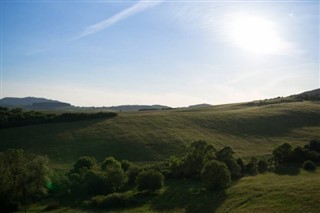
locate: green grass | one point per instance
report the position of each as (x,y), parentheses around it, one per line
(268,193)
(153,135)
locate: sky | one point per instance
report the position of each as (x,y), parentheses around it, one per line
(175,53)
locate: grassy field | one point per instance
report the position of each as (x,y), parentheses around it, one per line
(153,135)
(267,193)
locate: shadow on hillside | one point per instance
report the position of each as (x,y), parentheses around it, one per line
(287,170)
(188,195)
(44,139)
(261,125)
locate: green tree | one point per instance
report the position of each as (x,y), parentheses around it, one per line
(262,166)
(150,180)
(309,166)
(252,167)
(23,179)
(282,154)
(225,155)
(192,163)
(83,164)
(110,163)
(215,175)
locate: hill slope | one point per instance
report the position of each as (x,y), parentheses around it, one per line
(154,135)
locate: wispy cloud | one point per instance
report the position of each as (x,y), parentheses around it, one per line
(136,8)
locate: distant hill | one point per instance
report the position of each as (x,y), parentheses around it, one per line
(197,106)
(312,95)
(33,103)
(309,95)
(125,108)
(27,101)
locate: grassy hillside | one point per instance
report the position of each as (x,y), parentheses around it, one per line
(153,135)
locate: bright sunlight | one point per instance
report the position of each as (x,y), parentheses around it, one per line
(255,34)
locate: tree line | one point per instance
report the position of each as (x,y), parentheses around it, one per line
(25,178)
(18,117)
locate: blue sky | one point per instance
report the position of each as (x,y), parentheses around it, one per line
(175,53)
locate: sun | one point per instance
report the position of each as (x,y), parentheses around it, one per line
(254,34)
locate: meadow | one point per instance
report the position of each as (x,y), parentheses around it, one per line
(252,131)
(148,137)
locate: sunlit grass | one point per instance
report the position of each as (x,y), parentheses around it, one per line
(150,136)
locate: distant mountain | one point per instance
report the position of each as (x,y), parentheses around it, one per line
(32,103)
(197,106)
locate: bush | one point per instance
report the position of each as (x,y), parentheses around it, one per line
(110,163)
(252,167)
(113,200)
(150,180)
(234,168)
(132,173)
(125,164)
(215,175)
(84,162)
(282,154)
(314,145)
(309,165)
(97,182)
(262,166)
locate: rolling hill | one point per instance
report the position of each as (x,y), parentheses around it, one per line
(154,135)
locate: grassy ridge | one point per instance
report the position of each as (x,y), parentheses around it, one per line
(154,135)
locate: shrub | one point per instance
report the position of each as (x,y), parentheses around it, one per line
(262,166)
(309,165)
(84,162)
(215,175)
(150,180)
(125,164)
(97,182)
(314,145)
(110,163)
(113,200)
(132,173)
(234,168)
(252,167)
(282,154)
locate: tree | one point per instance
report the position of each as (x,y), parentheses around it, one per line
(252,167)
(125,164)
(309,166)
(150,180)
(84,163)
(132,173)
(191,164)
(215,175)
(262,166)
(314,145)
(23,179)
(110,163)
(282,154)
(226,155)
(234,168)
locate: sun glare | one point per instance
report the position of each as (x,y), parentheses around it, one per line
(255,34)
